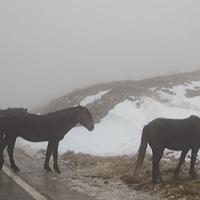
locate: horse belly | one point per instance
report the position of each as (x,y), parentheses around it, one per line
(35,137)
(179,142)
(178,147)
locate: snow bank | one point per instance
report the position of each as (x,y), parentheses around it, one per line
(120,131)
(93,98)
(177,97)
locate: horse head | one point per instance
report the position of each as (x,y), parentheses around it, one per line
(85,118)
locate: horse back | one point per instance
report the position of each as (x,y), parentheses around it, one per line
(44,127)
(174,134)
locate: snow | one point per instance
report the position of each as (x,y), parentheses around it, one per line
(93,98)
(120,131)
(179,99)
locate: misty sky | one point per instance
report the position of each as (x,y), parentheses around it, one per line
(50,47)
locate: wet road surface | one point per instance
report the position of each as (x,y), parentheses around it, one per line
(51,185)
(10,190)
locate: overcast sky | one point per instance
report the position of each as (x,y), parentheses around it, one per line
(50,47)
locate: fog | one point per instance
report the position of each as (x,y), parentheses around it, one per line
(48,47)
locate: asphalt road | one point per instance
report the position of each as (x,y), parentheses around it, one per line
(50,185)
(10,190)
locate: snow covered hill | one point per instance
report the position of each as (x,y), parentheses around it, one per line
(127,107)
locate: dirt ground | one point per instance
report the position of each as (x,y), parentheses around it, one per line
(113,178)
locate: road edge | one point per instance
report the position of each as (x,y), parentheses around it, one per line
(36,195)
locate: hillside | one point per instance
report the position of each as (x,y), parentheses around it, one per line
(118,92)
(121,109)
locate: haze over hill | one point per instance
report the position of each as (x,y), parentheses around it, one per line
(117,92)
(51,47)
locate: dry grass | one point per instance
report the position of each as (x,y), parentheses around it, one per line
(113,169)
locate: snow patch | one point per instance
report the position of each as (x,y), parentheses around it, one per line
(118,133)
(93,98)
(177,98)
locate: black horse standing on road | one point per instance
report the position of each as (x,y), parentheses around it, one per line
(175,134)
(51,127)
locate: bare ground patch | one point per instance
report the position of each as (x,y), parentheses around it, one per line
(113,178)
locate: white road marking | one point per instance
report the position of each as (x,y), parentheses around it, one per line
(36,195)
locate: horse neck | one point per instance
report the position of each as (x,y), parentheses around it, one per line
(67,119)
(9,121)
(2,122)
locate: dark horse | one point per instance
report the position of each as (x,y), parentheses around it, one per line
(51,127)
(175,134)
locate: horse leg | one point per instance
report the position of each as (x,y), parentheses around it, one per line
(10,149)
(181,161)
(156,175)
(1,150)
(193,160)
(4,145)
(55,157)
(1,159)
(48,155)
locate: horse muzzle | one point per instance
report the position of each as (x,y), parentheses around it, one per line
(91,128)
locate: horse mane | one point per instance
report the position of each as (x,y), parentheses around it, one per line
(64,111)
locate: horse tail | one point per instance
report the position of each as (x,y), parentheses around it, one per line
(142,149)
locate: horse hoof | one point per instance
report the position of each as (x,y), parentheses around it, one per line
(16,169)
(154,181)
(48,169)
(1,165)
(176,177)
(159,180)
(193,175)
(58,171)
